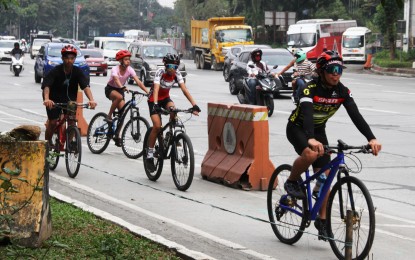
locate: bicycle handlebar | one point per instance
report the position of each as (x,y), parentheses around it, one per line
(64,105)
(342,146)
(175,110)
(138,93)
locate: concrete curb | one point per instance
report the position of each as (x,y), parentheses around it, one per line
(399,72)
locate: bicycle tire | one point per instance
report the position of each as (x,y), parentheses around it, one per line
(364,216)
(158,156)
(73,151)
(182,160)
(287,226)
(54,149)
(133,136)
(98,136)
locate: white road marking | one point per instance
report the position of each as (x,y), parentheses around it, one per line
(22,118)
(399,92)
(378,110)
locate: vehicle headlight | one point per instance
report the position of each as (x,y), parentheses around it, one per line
(53,63)
(153,66)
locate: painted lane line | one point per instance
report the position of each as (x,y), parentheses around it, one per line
(378,110)
(399,92)
(22,118)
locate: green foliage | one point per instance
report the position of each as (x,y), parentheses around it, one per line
(404,59)
(335,9)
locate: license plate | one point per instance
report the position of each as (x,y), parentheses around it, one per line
(290,84)
(93,68)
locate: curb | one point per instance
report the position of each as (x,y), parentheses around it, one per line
(399,72)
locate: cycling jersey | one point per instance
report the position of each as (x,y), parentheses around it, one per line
(165,82)
(115,72)
(318,103)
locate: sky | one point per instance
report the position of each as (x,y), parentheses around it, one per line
(166,3)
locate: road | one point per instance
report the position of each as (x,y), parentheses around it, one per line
(227,223)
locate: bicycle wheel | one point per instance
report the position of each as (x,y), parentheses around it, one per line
(182,161)
(54,151)
(133,136)
(73,151)
(351,194)
(158,156)
(287,225)
(98,135)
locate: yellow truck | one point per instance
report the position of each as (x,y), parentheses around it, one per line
(211,39)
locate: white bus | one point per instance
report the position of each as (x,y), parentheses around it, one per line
(355,44)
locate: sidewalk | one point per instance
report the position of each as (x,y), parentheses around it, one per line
(400,72)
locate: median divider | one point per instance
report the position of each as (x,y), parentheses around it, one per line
(238,153)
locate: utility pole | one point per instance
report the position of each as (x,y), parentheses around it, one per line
(74,17)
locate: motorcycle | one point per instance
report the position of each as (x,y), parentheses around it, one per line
(17,64)
(297,91)
(264,91)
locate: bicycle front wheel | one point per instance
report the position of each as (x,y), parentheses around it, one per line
(54,151)
(287,225)
(133,137)
(73,151)
(98,135)
(351,194)
(158,156)
(182,162)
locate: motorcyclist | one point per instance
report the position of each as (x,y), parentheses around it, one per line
(16,50)
(259,66)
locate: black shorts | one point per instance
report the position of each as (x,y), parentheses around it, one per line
(54,113)
(109,89)
(299,140)
(162,103)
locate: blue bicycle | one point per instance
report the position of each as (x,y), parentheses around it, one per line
(289,216)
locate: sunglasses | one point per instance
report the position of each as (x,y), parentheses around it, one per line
(334,69)
(172,66)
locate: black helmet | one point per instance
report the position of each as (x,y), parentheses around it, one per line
(327,58)
(171,59)
(16,45)
(256,52)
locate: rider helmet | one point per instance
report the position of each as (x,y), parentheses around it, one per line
(171,59)
(300,55)
(255,53)
(328,58)
(122,54)
(69,49)
(16,45)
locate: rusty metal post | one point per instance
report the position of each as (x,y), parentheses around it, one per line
(349,235)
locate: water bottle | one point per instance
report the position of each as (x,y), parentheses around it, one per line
(167,140)
(319,185)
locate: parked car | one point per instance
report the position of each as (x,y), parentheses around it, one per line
(96,61)
(147,58)
(6,47)
(271,57)
(50,55)
(233,52)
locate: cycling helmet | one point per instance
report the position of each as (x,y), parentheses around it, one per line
(300,55)
(328,58)
(171,59)
(122,54)
(254,53)
(16,45)
(69,49)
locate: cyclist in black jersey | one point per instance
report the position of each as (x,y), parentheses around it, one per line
(320,100)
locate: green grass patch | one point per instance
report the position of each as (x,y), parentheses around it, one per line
(77,234)
(403,59)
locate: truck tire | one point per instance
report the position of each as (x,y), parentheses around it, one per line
(202,61)
(215,65)
(197,61)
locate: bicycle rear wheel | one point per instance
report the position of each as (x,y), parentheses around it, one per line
(351,194)
(54,151)
(182,161)
(287,225)
(158,156)
(98,135)
(73,151)
(133,137)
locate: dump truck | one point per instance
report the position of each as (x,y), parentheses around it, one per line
(212,38)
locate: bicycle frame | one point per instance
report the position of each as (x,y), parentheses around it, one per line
(175,128)
(61,126)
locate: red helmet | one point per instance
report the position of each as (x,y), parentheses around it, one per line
(327,58)
(121,54)
(69,49)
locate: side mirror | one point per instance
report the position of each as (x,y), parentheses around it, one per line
(137,55)
(105,57)
(181,55)
(87,56)
(251,66)
(275,66)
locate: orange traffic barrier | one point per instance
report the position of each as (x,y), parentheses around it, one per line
(368,63)
(238,152)
(82,124)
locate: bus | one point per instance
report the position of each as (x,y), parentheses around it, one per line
(355,44)
(316,35)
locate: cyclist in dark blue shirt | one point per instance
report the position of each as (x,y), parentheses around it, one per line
(320,100)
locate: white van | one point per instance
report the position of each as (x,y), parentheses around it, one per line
(110,46)
(355,42)
(37,43)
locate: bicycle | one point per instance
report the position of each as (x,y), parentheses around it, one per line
(101,132)
(66,132)
(174,145)
(289,216)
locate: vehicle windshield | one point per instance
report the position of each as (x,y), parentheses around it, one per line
(93,54)
(55,51)
(237,35)
(6,44)
(299,40)
(116,45)
(158,51)
(272,59)
(39,42)
(353,41)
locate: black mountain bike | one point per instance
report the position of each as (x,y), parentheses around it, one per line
(101,132)
(172,143)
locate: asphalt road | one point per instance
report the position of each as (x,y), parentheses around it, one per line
(227,223)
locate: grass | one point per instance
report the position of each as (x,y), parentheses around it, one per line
(403,59)
(77,234)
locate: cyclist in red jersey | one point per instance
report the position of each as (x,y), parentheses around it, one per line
(159,97)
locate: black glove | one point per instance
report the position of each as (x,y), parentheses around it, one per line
(196,108)
(157,108)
